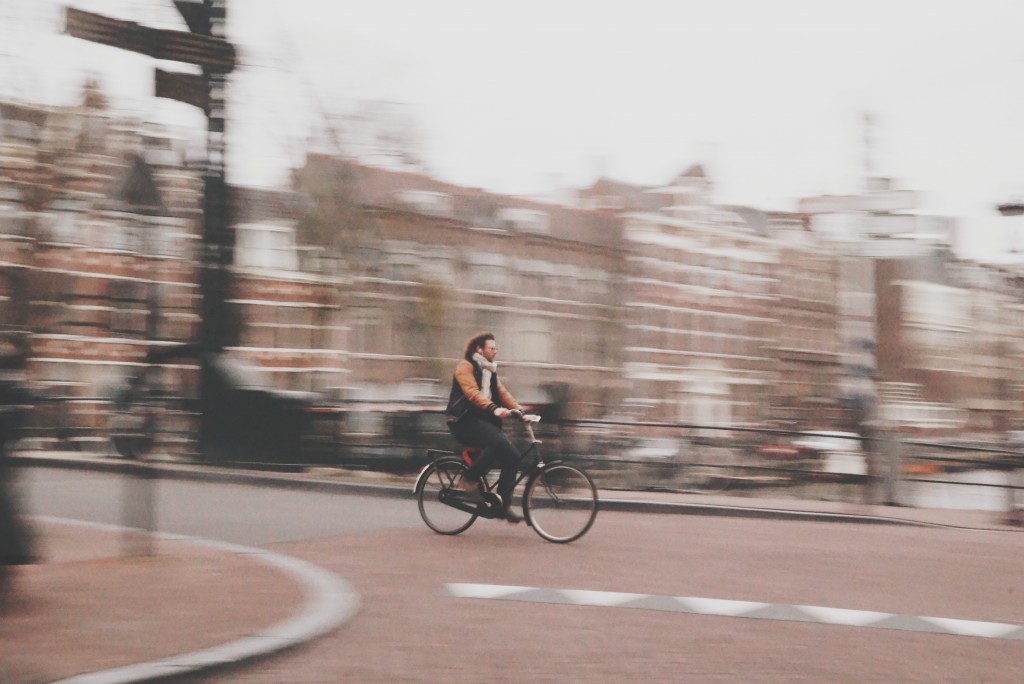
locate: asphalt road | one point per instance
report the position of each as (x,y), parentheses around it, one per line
(412,627)
(252,516)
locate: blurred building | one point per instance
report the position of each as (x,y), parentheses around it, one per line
(362,283)
(805,344)
(936,354)
(700,283)
(428,264)
(731,317)
(99,241)
(285,295)
(949,352)
(648,302)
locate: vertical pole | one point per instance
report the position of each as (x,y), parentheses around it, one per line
(1014,486)
(217,236)
(138,510)
(869,148)
(892,449)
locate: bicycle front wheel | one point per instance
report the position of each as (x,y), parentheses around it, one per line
(560,503)
(439,516)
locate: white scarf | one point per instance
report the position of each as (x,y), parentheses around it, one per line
(489,368)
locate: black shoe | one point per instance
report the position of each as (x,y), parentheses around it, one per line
(512,517)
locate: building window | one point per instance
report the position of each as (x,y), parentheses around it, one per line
(524,220)
(403,268)
(265,246)
(12,220)
(489,272)
(427,202)
(371,332)
(536,341)
(62,222)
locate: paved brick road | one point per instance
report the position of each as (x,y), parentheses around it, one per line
(410,630)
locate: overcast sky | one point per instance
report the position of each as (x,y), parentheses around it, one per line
(528,96)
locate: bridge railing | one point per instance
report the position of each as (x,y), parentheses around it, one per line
(882,468)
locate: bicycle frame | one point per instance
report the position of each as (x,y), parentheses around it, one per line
(524,469)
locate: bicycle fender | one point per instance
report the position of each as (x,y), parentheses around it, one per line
(534,475)
(555,461)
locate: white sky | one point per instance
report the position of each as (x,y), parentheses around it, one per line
(522,97)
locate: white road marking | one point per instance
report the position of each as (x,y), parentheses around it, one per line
(742,609)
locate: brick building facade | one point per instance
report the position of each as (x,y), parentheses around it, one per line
(98,260)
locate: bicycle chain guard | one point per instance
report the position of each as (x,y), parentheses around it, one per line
(487,506)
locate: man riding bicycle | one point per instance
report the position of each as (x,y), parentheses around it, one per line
(477,403)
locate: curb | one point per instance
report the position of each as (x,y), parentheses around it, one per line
(329,603)
(733,511)
(203,473)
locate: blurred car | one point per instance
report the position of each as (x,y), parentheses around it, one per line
(840,452)
(658,448)
(780,452)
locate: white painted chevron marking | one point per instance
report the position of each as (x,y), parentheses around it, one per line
(600,598)
(484,591)
(731,608)
(709,606)
(844,616)
(992,630)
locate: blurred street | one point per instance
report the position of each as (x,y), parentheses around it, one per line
(409,626)
(410,629)
(771,305)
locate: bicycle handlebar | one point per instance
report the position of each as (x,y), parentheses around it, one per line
(528,419)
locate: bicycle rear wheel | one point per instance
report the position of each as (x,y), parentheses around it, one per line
(560,503)
(439,516)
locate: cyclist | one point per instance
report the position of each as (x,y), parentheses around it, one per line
(477,403)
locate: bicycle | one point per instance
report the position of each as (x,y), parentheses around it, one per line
(559,499)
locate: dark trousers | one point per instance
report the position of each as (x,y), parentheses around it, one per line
(496,448)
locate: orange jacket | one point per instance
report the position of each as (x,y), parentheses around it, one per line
(466,383)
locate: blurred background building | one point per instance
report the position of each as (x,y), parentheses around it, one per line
(99,244)
(361,282)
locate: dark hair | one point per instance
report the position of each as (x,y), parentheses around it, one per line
(476,341)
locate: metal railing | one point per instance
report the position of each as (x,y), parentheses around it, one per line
(880,468)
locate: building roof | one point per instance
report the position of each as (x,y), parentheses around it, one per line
(628,197)
(386,188)
(695,171)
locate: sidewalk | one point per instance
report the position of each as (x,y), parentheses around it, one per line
(88,607)
(105,604)
(93,605)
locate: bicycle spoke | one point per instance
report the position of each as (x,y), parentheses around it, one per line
(439,516)
(445,477)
